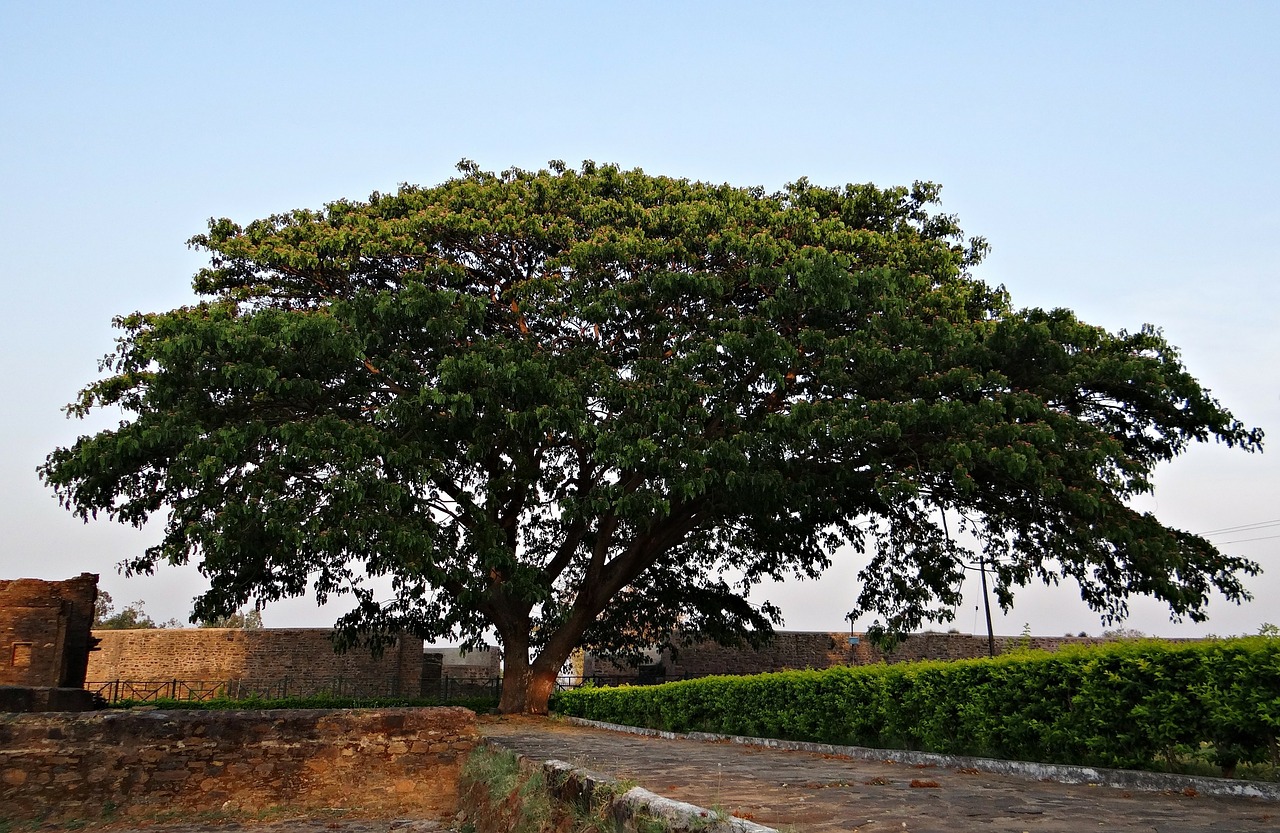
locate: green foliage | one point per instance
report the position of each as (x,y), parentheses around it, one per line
(563,404)
(133,616)
(250,620)
(1022,643)
(1123,633)
(1137,704)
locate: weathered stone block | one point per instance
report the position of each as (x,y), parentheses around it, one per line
(258,760)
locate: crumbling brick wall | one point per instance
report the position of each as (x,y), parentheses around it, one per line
(386,762)
(45,631)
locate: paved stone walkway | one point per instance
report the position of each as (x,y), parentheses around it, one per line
(806,791)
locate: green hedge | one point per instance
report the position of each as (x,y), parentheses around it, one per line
(1143,705)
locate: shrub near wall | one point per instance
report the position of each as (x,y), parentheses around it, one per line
(1131,705)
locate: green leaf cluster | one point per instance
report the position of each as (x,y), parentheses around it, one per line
(565,404)
(249,620)
(1142,704)
(132,617)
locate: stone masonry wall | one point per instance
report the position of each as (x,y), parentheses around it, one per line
(790,650)
(399,762)
(947,646)
(44,631)
(254,658)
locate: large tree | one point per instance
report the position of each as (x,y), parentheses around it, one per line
(589,407)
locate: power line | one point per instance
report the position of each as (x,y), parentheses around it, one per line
(1242,540)
(1242,527)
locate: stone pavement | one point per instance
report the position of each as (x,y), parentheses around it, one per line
(808,791)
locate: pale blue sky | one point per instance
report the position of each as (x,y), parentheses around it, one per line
(1120,158)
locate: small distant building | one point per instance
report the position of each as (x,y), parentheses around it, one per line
(477,664)
(45,640)
(448,672)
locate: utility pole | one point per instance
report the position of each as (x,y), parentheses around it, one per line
(986,603)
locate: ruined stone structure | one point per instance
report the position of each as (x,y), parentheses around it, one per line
(483,663)
(789,650)
(275,661)
(450,674)
(45,643)
(387,762)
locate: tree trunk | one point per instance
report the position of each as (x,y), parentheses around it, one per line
(526,689)
(527,686)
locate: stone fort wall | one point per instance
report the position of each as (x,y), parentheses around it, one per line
(254,658)
(794,650)
(396,762)
(265,657)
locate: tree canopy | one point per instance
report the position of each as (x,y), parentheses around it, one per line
(589,407)
(245,620)
(132,617)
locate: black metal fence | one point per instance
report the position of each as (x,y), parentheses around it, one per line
(146,691)
(567,681)
(444,690)
(453,689)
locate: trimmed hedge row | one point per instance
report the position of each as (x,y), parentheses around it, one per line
(1131,705)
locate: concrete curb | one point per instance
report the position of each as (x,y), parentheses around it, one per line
(568,782)
(1062,773)
(679,815)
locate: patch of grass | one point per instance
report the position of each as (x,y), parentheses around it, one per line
(497,770)
(648,824)
(1200,763)
(498,795)
(496,790)
(593,813)
(194,817)
(536,813)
